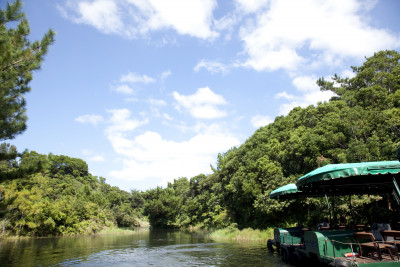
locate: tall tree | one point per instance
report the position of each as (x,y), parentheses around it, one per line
(361,123)
(18,59)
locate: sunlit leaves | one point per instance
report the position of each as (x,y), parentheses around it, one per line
(55,195)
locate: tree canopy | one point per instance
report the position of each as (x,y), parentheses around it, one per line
(360,123)
(19,57)
(56,195)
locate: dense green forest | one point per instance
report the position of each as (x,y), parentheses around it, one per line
(50,194)
(55,195)
(361,123)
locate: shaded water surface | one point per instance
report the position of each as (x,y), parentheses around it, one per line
(142,248)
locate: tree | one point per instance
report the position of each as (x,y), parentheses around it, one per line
(8,162)
(361,123)
(8,153)
(18,59)
(375,84)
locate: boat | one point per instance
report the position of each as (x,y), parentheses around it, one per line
(340,247)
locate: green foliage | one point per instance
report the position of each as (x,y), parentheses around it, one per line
(164,207)
(360,123)
(247,234)
(8,154)
(56,195)
(184,203)
(18,59)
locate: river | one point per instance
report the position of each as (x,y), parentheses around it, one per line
(141,248)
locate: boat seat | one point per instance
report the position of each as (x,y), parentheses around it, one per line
(367,240)
(391,237)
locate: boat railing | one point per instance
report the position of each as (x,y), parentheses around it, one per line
(286,238)
(351,245)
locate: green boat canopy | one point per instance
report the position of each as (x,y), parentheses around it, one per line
(351,178)
(290,191)
(285,191)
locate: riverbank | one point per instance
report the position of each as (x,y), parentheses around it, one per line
(109,230)
(244,235)
(115,231)
(105,231)
(229,233)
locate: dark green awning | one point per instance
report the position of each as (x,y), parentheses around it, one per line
(284,191)
(351,178)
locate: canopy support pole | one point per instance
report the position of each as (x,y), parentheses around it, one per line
(396,191)
(329,208)
(351,211)
(333,222)
(298,210)
(327,202)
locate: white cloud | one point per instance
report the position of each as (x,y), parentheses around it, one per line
(348,74)
(124,89)
(186,17)
(120,126)
(212,66)
(150,157)
(330,30)
(201,105)
(260,120)
(165,74)
(167,117)
(132,77)
(90,118)
(102,14)
(96,158)
(306,83)
(284,95)
(121,122)
(249,6)
(157,102)
(92,156)
(227,24)
(131,18)
(311,94)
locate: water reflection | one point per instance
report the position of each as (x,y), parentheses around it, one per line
(142,248)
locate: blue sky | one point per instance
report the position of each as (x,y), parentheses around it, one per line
(146,91)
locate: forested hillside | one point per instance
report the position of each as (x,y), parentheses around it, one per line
(361,123)
(56,195)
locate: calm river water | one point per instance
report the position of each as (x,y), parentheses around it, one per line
(142,248)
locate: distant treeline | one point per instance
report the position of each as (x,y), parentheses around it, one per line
(43,195)
(48,194)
